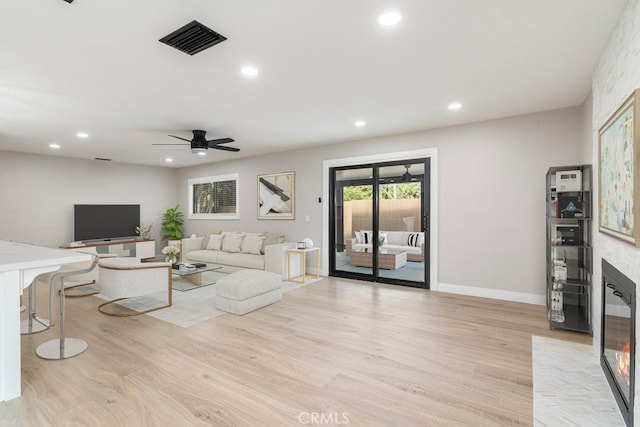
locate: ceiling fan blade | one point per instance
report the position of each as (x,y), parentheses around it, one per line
(179,137)
(171,144)
(213,142)
(222,147)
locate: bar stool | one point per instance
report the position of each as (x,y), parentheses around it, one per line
(62,347)
(33,323)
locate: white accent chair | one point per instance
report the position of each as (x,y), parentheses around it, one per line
(122,279)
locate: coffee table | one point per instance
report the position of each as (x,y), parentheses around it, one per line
(388,259)
(192,279)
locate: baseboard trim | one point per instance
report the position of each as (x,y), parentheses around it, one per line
(492,293)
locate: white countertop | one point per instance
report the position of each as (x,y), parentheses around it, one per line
(21,256)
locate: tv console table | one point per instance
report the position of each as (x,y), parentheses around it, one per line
(125,248)
(19,264)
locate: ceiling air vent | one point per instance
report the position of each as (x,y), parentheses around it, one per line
(193,38)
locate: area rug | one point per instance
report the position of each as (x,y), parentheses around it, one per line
(191,307)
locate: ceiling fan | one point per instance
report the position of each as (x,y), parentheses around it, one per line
(407,177)
(200,144)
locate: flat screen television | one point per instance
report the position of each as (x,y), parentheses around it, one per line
(105,222)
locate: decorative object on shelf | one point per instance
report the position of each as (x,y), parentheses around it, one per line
(144,231)
(301,245)
(308,243)
(171,253)
(276,196)
(619,173)
(173,223)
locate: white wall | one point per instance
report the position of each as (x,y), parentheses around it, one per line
(586,150)
(491,205)
(38,194)
(491,195)
(616,76)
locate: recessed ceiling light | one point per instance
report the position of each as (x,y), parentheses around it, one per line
(249,71)
(202,153)
(360,124)
(455,106)
(54,146)
(82,135)
(168,160)
(389,19)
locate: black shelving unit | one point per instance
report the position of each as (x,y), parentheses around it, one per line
(569,251)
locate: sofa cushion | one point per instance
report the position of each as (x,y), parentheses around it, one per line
(205,241)
(396,237)
(215,242)
(252,244)
(239,260)
(272,238)
(232,242)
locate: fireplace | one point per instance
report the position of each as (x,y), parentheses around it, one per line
(618,345)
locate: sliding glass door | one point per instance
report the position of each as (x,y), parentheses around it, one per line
(379,222)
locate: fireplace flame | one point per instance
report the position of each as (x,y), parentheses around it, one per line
(623,364)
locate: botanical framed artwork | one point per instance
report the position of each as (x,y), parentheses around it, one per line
(276,196)
(214,197)
(620,173)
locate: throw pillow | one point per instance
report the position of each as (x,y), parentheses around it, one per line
(359,237)
(272,238)
(252,244)
(205,241)
(366,237)
(215,242)
(413,239)
(232,242)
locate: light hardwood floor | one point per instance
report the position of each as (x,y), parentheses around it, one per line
(336,352)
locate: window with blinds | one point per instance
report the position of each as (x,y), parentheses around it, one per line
(214,197)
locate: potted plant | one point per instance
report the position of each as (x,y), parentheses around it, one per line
(173,224)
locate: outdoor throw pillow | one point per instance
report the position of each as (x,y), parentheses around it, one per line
(413,239)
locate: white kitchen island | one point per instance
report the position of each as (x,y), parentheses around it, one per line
(19,264)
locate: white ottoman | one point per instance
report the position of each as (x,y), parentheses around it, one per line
(246,290)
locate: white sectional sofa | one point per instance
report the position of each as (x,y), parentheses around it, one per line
(237,250)
(411,242)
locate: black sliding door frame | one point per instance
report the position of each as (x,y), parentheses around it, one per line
(336,219)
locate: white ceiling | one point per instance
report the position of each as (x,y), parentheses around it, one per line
(97,66)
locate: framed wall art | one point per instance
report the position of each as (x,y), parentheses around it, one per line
(276,196)
(619,173)
(214,197)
